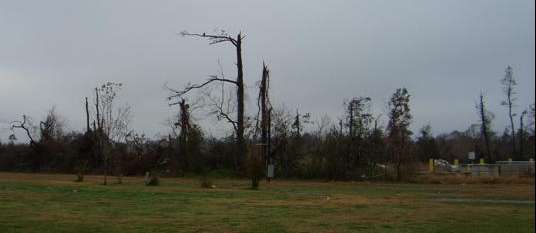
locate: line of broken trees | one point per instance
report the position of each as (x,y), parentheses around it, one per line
(358,146)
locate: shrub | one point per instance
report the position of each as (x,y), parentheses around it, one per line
(151,179)
(255,166)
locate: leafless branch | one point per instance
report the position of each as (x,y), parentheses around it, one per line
(229,119)
(222,108)
(22,125)
(189,87)
(213,39)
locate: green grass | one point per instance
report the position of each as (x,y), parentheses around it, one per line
(53,203)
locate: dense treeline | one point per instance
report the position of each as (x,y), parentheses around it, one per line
(355,148)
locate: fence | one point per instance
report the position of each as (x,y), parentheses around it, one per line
(516,168)
(500,168)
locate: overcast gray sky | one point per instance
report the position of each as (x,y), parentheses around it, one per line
(52,53)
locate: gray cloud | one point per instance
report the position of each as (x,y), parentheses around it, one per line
(444,52)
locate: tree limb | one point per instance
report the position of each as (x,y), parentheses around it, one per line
(22,125)
(228,118)
(223,111)
(213,39)
(179,93)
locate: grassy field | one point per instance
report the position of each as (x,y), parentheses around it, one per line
(54,203)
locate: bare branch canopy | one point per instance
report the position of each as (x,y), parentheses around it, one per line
(189,87)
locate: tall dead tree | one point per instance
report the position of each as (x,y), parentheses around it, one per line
(485,121)
(296,125)
(97,108)
(86,147)
(184,124)
(265,111)
(112,127)
(98,137)
(184,118)
(88,128)
(255,165)
(509,84)
(239,123)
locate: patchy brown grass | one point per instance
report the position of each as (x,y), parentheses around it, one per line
(54,203)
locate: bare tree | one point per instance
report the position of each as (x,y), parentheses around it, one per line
(86,148)
(114,120)
(99,137)
(112,124)
(50,129)
(43,138)
(88,128)
(27,127)
(239,122)
(509,83)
